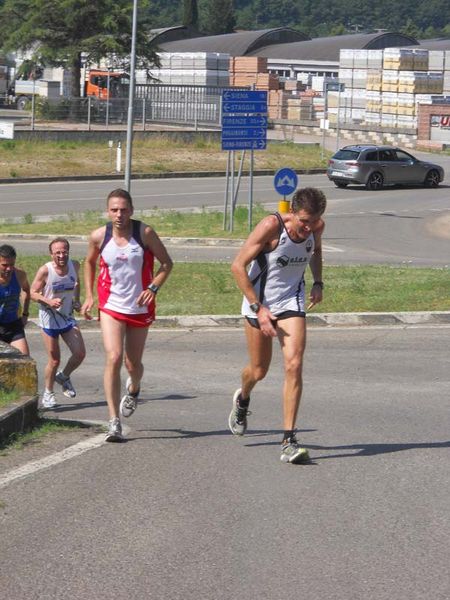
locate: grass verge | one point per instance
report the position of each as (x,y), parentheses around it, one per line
(167,223)
(42,429)
(7,397)
(158,154)
(209,288)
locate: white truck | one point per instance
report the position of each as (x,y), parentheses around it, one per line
(22,91)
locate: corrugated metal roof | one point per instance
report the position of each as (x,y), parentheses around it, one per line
(327,48)
(435,44)
(235,44)
(170,34)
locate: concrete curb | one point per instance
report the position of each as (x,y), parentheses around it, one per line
(170,241)
(313,319)
(135,176)
(18,416)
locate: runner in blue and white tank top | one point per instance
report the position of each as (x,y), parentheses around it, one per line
(56,287)
(270,272)
(14,289)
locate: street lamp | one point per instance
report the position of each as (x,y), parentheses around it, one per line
(131,100)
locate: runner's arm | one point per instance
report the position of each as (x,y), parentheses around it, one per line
(259,240)
(316,293)
(76,292)
(25,294)
(153,242)
(37,287)
(90,265)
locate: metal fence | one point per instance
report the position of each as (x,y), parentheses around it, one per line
(190,105)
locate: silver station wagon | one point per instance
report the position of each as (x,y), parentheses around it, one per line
(377,166)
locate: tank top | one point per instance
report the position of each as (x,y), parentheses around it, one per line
(125,271)
(58,286)
(278,275)
(10,300)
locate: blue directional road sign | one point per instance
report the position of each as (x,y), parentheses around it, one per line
(244,120)
(244,107)
(244,95)
(256,133)
(244,144)
(285,181)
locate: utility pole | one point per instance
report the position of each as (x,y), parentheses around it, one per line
(131,100)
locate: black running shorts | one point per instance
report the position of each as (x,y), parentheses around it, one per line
(10,332)
(288,314)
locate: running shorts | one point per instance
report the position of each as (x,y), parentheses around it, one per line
(10,332)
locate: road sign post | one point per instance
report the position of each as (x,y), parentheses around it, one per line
(285,183)
(244,127)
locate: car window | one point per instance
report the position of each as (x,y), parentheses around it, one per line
(403,156)
(346,155)
(387,155)
(372,155)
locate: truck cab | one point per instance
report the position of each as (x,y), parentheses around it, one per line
(105,85)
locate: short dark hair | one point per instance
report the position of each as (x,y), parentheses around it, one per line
(120,193)
(7,251)
(59,239)
(310,199)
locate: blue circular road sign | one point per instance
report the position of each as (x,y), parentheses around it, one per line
(285,181)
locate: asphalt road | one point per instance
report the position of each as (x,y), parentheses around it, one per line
(394,226)
(183,510)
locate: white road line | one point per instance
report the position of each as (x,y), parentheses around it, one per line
(327,248)
(49,461)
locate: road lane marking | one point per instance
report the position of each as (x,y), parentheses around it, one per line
(52,460)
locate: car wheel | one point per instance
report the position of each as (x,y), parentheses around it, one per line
(432,179)
(375,181)
(341,184)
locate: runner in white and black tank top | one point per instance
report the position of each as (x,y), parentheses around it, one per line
(278,275)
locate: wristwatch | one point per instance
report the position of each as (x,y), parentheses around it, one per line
(319,283)
(153,288)
(255,307)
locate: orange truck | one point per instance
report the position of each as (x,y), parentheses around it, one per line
(105,85)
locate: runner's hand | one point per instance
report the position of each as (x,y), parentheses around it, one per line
(145,297)
(86,308)
(265,318)
(315,296)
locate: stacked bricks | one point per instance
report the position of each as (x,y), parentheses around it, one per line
(384,87)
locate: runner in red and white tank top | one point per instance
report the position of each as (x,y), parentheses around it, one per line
(125,271)
(127,287)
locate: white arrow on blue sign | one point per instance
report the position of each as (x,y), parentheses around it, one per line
(238,121)
(244,95)
(244,107)
(240,144)
(285,181)
(243,133)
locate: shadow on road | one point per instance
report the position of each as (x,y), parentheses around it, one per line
(374,449)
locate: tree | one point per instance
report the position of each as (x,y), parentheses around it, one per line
(69,32)
(190,13)
(218,17)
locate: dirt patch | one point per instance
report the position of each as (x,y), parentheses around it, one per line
(440,226)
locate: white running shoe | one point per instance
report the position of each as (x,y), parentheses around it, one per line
(64,381)
(128,404)
(48,399)
(114,433)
